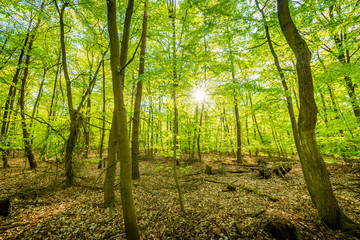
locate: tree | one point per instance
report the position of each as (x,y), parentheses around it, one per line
(172,16)
(314,169)
(136,118)
(119,141)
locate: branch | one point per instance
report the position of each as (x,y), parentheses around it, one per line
(41,120)
(256,46)
(132,58)
(248,189)
(355,51)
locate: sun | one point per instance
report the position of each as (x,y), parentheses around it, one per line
(199,95)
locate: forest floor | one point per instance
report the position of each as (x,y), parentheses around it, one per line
(42,208)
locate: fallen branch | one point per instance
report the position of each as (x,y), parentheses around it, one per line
(8,226)
(239,171)
(249,189)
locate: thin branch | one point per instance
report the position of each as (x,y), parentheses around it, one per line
(41,120)
(250,48)
(132,58)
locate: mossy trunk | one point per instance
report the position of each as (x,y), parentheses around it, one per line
(315,173)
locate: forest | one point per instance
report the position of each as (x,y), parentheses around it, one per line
(180,119)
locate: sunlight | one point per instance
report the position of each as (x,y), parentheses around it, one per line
(199,95)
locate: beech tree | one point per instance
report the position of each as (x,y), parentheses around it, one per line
(314,169)
(119,145)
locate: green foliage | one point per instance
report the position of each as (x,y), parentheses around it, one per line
(208,35)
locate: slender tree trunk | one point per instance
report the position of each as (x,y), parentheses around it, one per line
(120,132)
(172,15)
(102,135)
(236,109)
(324,108)
(314,169)
(51,110)
(255,122)
(10,103)
(26,136)
(290,105)
(75,116)
(199,131)
(109,193)
(37,100)
(87,127)
(344,57)
(227,131)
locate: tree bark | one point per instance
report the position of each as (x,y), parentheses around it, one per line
(10,103)
(120,132)
(314,169)
(236,108)
(172,15)
(75,117)
(102,135)
(26,136)
(51,109)
(290,105)
(136,118)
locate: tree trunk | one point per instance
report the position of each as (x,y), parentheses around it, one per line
(344,57)
(87,128)
(120,132)
(172,15)
(136,118)
(10,103)
(74,116)
(102,135)
(236,108)
(109,193)
(26,136)
(51,109)
(290,105)
(36,104)
(314,169)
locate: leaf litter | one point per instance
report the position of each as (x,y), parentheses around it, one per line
(42,208)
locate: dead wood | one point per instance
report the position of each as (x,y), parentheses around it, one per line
(208,170)
(255,214)
(267,171)
(248,189)
(8,226)
(4,206)
(239,171)
(282,229)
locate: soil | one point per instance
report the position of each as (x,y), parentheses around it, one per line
(42,208)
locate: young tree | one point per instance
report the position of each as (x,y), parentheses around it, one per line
(280,70)
(136,118)
(172,16)
(314,169)
(10,102)
(119,141)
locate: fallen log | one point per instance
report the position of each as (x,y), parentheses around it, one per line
(239,171)
(280,170)
(8,226)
